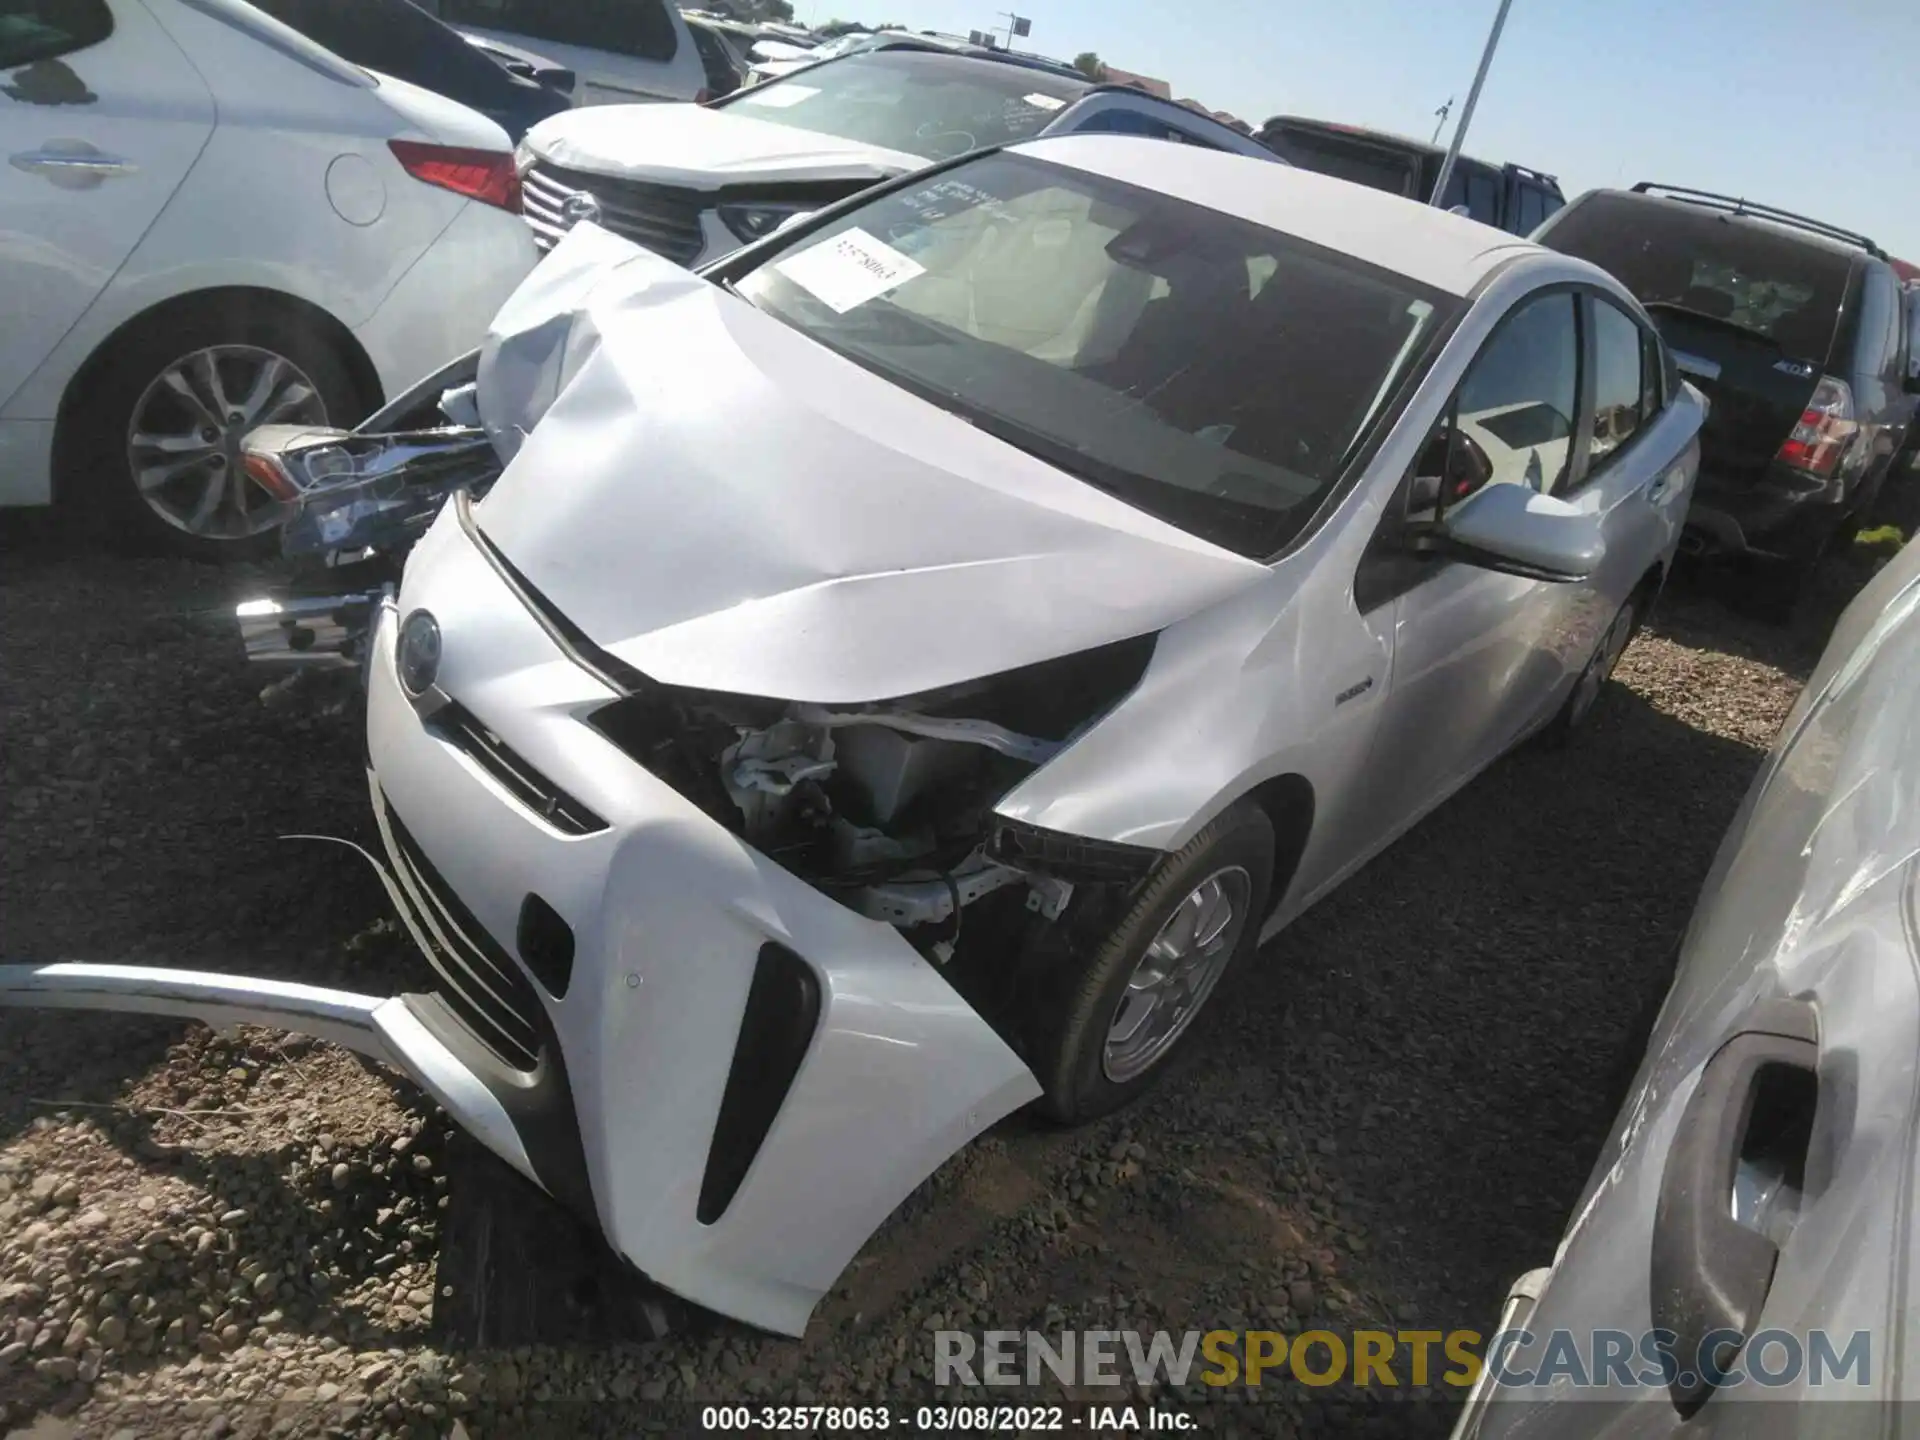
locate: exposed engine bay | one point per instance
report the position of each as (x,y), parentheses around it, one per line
(887,808)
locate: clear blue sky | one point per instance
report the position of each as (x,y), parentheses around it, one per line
(1811,105)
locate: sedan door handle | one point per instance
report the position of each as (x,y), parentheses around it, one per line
(1661,486)
(72,164)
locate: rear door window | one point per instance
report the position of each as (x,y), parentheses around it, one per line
(1619,379)
(1736,273)
(1878,347)
(1532,201)
(33,30)
(1478,190)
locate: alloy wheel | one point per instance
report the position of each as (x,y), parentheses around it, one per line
(1177,973)
(183,442)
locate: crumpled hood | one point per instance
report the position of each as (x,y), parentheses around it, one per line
(724,504)
(690,145)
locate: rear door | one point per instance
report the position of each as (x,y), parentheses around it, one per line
(101,117)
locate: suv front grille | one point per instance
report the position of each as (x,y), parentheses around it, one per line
(480,982)
(663,218)
(458,727)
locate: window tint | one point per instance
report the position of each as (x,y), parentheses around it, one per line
(1354,160)
(641,28)
(1653,375)
(1688,261)
(714,59)
(1516,404)
(1878,347)
(1116,334)
(1619,381)
(1132,122)
(1533,208)
(33,30)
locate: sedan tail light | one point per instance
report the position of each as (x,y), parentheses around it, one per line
(485,175)
(1826,429)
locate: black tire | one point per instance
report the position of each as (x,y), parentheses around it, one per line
(1069,1036)
(97,484)
(1578,707)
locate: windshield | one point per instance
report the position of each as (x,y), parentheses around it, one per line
(931,105)
(1208,370)
(1709,265)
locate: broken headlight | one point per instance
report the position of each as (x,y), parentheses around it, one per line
(352,491)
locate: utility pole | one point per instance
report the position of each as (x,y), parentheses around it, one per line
(1466,114)
(1016,25)
(1440,119)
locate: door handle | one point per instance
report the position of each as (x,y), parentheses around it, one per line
(73,165)
(1710,1272)
(1661,486)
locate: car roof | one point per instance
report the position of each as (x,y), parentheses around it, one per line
(1448,252)
(1813,239)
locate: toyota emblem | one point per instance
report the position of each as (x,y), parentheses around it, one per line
(580,206)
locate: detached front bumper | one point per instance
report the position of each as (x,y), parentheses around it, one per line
(736,1077)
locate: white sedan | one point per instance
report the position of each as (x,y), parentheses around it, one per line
(900,672)
(207,222)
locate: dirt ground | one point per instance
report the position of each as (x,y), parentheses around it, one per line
(240,1234)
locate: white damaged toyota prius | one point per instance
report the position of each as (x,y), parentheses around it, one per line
(899,674)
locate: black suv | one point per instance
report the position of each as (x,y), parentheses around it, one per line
(1508,197)
(1795,331)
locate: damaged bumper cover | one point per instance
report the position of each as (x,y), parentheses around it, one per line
(735,1077)
(400,1030)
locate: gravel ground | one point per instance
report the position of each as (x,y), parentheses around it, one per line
(238,1234)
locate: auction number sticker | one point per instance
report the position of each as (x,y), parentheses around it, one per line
(849,270)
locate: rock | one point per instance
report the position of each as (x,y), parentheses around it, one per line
(1300,1298)
(11,1354)
(423,1164)
(113,1331)
(68,1193)
(42,1188)
(265,1283)
(1117,1150)
(342,1175)
(78,1334)
(233,1217)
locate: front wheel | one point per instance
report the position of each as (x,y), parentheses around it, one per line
(1120,1006)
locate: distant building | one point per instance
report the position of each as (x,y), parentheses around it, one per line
(1117,76)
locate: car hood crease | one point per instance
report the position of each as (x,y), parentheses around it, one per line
(724,504)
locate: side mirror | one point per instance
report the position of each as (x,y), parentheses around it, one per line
(1460,210)
(1518,531)
(1912,383)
